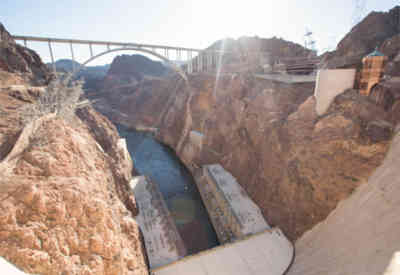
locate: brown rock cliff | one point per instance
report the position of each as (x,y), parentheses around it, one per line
(64,201)
(295,165)
(17,61)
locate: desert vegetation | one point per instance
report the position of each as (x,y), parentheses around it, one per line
(61,98)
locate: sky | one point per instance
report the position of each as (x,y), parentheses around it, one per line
(184,23)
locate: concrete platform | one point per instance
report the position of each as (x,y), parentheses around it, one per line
(233,214)
(246,212)
(163,243)
(290,79)
(265,253)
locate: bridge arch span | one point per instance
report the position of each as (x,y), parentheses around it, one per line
(174,67)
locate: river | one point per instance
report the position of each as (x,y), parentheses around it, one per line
(162,166)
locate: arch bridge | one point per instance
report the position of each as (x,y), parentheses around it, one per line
(194,60)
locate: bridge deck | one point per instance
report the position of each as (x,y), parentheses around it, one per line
(265,253)
(97,42)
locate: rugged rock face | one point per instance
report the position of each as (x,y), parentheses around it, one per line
(65,65)
(295,165)
(64,209)
(243,54)
(277,47)
(391,49)
(357,243)
(20,61)
(130,69)
(118,103)
(378,29)
(11,99)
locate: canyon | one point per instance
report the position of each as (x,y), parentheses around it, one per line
(328,181)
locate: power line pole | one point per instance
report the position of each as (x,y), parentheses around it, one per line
(309,42)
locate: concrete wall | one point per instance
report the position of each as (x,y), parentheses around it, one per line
(362,234)
(331,83)
(290,79)
(394,266)
(266,253)
(232,212)
(162,240)
(7,268)
(218,219)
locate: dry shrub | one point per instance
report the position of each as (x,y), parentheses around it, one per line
(61,98)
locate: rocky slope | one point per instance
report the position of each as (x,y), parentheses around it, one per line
(91,75)
(243,54)
(62,213)
(66,207)
(361,243)
(277,47)
(295,165)
(131,69)
(65,65)
(64,194)
(65,200)
(378,29)
(19,63)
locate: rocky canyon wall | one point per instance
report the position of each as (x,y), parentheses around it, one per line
(62,208)
(19,64)
(361,235)
(294,164)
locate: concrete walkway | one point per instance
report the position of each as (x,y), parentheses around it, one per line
(265,253)
(286,78)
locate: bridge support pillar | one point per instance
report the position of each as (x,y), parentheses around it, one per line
(52,57)
(72,56)
(200,63)
(189,62)
(91,50)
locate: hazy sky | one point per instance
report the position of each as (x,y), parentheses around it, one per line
(194,24)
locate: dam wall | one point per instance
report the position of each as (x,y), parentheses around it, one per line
(265,253)
(331,83)
(233,214)
(163,243)
(249,244)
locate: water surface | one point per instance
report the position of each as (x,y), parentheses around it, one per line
(162,166)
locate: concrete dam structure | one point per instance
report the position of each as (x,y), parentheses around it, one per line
(233,214)
(163,242)
(249,244)
(265,253)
